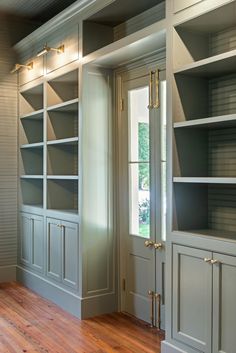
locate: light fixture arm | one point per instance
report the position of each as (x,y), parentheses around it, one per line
(46,49)
(17,67)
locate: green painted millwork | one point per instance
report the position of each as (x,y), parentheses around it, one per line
(68,166)
(201,253)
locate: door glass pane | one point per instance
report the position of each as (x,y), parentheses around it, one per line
(139,168)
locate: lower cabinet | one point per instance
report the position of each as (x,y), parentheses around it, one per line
(62,252)
(204,292)
(224,305)
(32,241)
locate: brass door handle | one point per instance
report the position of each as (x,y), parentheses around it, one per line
(158,246)
(149,243)
(157,100)
(158,307)
(215,262)
(151,296)
(151,104)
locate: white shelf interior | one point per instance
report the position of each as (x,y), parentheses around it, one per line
(119,20)
(62,159)
(205,206)
(205,36)
(32,192)
(62,195)
(63,123)
(62,89)
(31,100)
(31,161)
(202,152)
(130,48)
(31,129)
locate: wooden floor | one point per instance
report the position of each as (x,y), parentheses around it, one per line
(31,324)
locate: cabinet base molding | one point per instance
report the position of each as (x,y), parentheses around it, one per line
(7,273)
(81,308)
(169,348)
(63,298)
(98,305)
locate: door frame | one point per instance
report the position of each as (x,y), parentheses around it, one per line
(131,71)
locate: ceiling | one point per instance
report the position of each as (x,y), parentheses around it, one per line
(34,10)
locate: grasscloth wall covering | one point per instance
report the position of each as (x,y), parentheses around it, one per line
(8,156)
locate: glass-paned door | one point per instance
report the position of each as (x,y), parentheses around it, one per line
(142,196)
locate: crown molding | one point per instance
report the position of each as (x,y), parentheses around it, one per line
(68,14)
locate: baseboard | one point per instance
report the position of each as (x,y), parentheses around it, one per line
(169,348)
(81,308)
(98,305)
(7,273)
(66,300)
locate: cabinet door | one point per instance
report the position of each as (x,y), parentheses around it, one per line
(37,243)
(192,297)
(70,252)
(25,239)
(54,249)
(224,308)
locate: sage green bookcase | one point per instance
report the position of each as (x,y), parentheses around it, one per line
(201,247)
(67,164)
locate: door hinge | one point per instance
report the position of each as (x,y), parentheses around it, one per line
(123,284)
(122,105)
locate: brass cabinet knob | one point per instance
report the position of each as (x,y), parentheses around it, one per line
(215,262)
(208,260)
(149,243)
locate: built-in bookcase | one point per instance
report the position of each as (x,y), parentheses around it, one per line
(49,144)
(204,123)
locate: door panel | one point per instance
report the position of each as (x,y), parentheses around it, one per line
(224,308)
(140,261)
(192,292)
(37,243)
(70,254)
(25,246)
(140,175)
(139,280)
(54,251)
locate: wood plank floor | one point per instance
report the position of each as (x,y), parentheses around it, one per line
(29,323)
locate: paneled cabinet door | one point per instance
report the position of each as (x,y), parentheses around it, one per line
(224,307)
(54,249)
(32,241)
(192,297)
(25,238)
(37,243)
(70,252)
(62,251)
